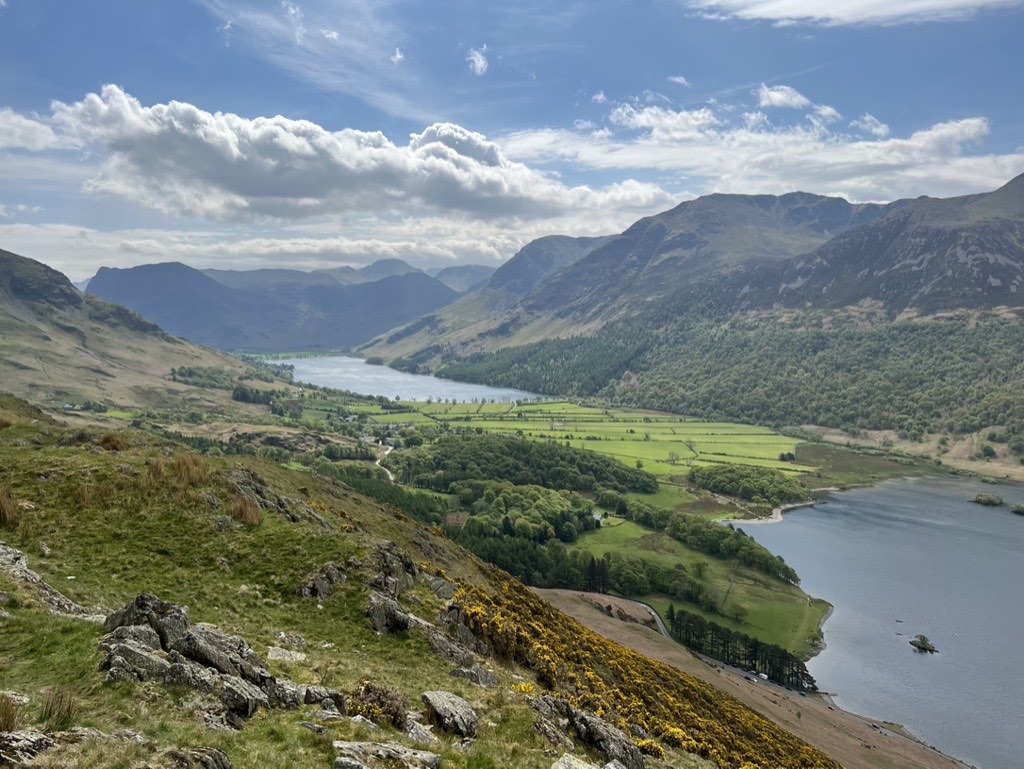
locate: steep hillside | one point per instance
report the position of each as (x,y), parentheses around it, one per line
(334,627)
(270,310)
(58,345)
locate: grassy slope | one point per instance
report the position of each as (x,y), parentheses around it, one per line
(777,613)
(123,522)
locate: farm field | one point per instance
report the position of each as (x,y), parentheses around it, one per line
(771,610)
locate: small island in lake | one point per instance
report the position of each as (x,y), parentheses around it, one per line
(1018,509)
(989,500)
(922,644)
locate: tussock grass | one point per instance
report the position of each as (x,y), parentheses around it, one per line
(157,468)
(245,510)
(4,424)
(10,514)
(8,714)
(189,469)
(84,494)
(113,442)
(59,709)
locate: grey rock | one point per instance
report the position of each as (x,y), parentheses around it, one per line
(455,622)
(568,761)
(229,654)
(614,765)
(284,694)
(241,697)
(199,758)
(364,722)
(442,588)
(610,741)
(387,616)
(170,621)
(292,641)
(192,675)
(397,569)
(277,654)
(366,755)
(315,728)
(140,635)
(316,694)
(19,748)
(322,585)
(18,699)
(419,733)
(138,662)
(14,564)
(451,713)
(448,648)
(479,675)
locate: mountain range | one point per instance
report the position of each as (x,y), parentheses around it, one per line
(277,310)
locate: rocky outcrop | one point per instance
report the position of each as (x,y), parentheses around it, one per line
(199,758)
(451,713)
(19,748)
(371,755)
(569,761)
(14,564)
(479,675)
(387,616)
(251,486)
(454,622)
(322,585)
(557,715)
(396,570)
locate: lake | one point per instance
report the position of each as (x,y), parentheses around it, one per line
(916,556)
(355,375)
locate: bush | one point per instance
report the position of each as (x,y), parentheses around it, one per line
(8,714)
(60,706)
(379,703)
(9,512)
(4,424)
(989,500)
(245,510)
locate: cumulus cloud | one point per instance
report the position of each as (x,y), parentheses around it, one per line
(599,97)
(397,57)
(869,124)
(780,96)
(749,154)
(20,132)
(679,80)
(184,161)
(840,12)
(477,60)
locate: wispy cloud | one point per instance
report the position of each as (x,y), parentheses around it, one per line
(780,96)
(330,34)
(397,57)
(19,131)
(599,97)
(679,80)
(847,12)
(477,60)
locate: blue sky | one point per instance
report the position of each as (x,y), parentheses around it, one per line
(312,133)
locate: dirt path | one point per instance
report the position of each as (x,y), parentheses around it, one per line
(382,453)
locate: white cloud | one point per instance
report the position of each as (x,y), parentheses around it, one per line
(869,124)
(599,98)
(331,34)
(679,80)
(751,155)
(7,211)
(837,12)
(296,18)
(781,96)
(20,132)
(826,113)
(477,60)
(583,125)
(397,57)
(184,161)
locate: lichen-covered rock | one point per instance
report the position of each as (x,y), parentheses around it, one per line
(419,733)
(322,585)
(229,654)
(568,761)
(387,616)
(451,713)
(610,741)
(170,621)
(140,635)
(397,570)
(368,755)
(448,648)
(199,758)
(192,675)
(277,654)
(127,660)
(479,675)
(19,748)
(241,697)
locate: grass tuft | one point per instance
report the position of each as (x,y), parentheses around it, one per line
(113,442)
(8,714)
(4,424)
(245,510)
(189,469)
(60,706)
(9,512)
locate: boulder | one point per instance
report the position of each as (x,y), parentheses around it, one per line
(419,733)
(140,635)
(277,654)
(322,585)
(127,660)
(366,755)
(284,694)
(387,616)
(170,621)
(228,654)
(241,697)
(192,675)
(442,588)
(451,713)
(479,675)
(19,748)
(569,761)
(610,741)
(199,758)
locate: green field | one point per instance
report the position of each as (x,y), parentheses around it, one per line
(774,612)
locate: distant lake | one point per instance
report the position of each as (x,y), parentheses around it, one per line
(909,557)
(355,375)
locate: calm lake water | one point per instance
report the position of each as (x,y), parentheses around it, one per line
(354,375)
(909,557)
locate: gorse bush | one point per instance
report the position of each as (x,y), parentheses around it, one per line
(9,512)
(379,703)
(60,706)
